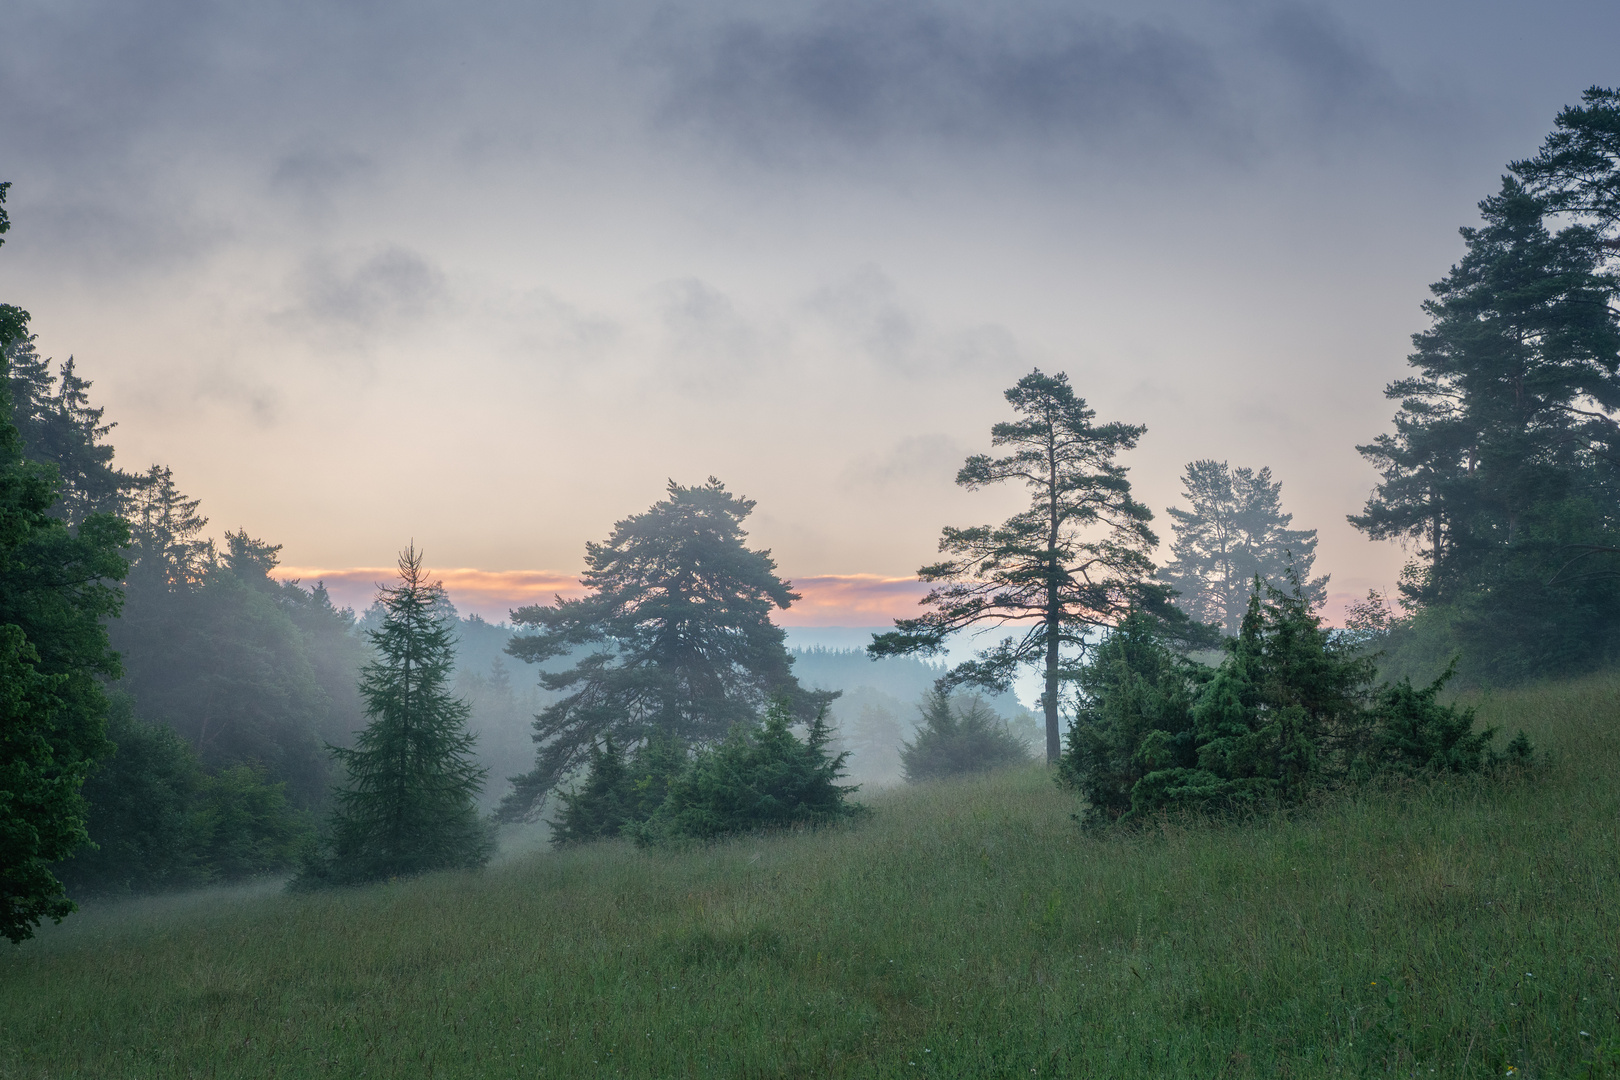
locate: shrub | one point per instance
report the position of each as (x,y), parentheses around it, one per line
(760,776)
(959,736)
(1291,709)
(617,794)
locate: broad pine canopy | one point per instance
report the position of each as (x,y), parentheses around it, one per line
(674,640)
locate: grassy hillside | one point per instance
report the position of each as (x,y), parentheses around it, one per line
(1458,929)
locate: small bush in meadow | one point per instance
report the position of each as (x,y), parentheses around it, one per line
(958,737)
(759,777)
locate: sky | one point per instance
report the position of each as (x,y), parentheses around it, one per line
(485,277)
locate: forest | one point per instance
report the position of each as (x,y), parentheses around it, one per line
(178,715)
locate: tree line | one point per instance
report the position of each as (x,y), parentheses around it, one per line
(1210,682)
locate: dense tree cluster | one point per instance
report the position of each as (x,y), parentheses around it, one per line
(959,736)
(1501,469)
(761,776)
(1291,710)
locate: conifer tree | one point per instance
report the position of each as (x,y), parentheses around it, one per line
(1504,457)
(408,804)
(56,588)
(675,640)
(59,426)
(1235,531)
(1076,559)
(958,737)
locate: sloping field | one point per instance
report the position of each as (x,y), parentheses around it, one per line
(1457,929)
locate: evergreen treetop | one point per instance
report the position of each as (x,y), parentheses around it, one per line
(675,639)
(1235,531)
(408,804)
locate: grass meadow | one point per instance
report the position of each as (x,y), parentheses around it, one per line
(1459,928)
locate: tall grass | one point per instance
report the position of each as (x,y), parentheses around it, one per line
(1459,928)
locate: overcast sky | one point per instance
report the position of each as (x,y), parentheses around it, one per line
(486,275)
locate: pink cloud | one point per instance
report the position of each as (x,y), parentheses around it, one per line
(489,593)
(827,599)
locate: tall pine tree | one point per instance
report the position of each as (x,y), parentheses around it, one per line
(409,803)
(1075,560)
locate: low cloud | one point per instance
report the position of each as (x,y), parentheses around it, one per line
(393,286)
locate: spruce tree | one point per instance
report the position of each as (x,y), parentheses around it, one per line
(1075,560)
(408,804)
(1234,532)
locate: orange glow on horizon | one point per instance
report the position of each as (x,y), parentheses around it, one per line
(825,599)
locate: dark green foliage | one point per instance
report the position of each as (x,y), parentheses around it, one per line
(1134,717)
(959,736)
(1235,531)
(56,588)
(1415,733)
(1076,559)
(1503,463)
(157,820)
(1291,710)
(760,777)
(408,805)
(617,794)
(1577,171)
(676,636)
(60,427)
(13,320)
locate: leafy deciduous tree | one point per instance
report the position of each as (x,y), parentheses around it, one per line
(56,587)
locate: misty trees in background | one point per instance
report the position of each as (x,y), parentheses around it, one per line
(1075,560)
(677,639)
(408,805)
(57,585)
(250,670)
(59,426)
(1234,531)
(959,736)
(159,820)
(1503,459)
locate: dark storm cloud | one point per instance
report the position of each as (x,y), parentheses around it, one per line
(863,75)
